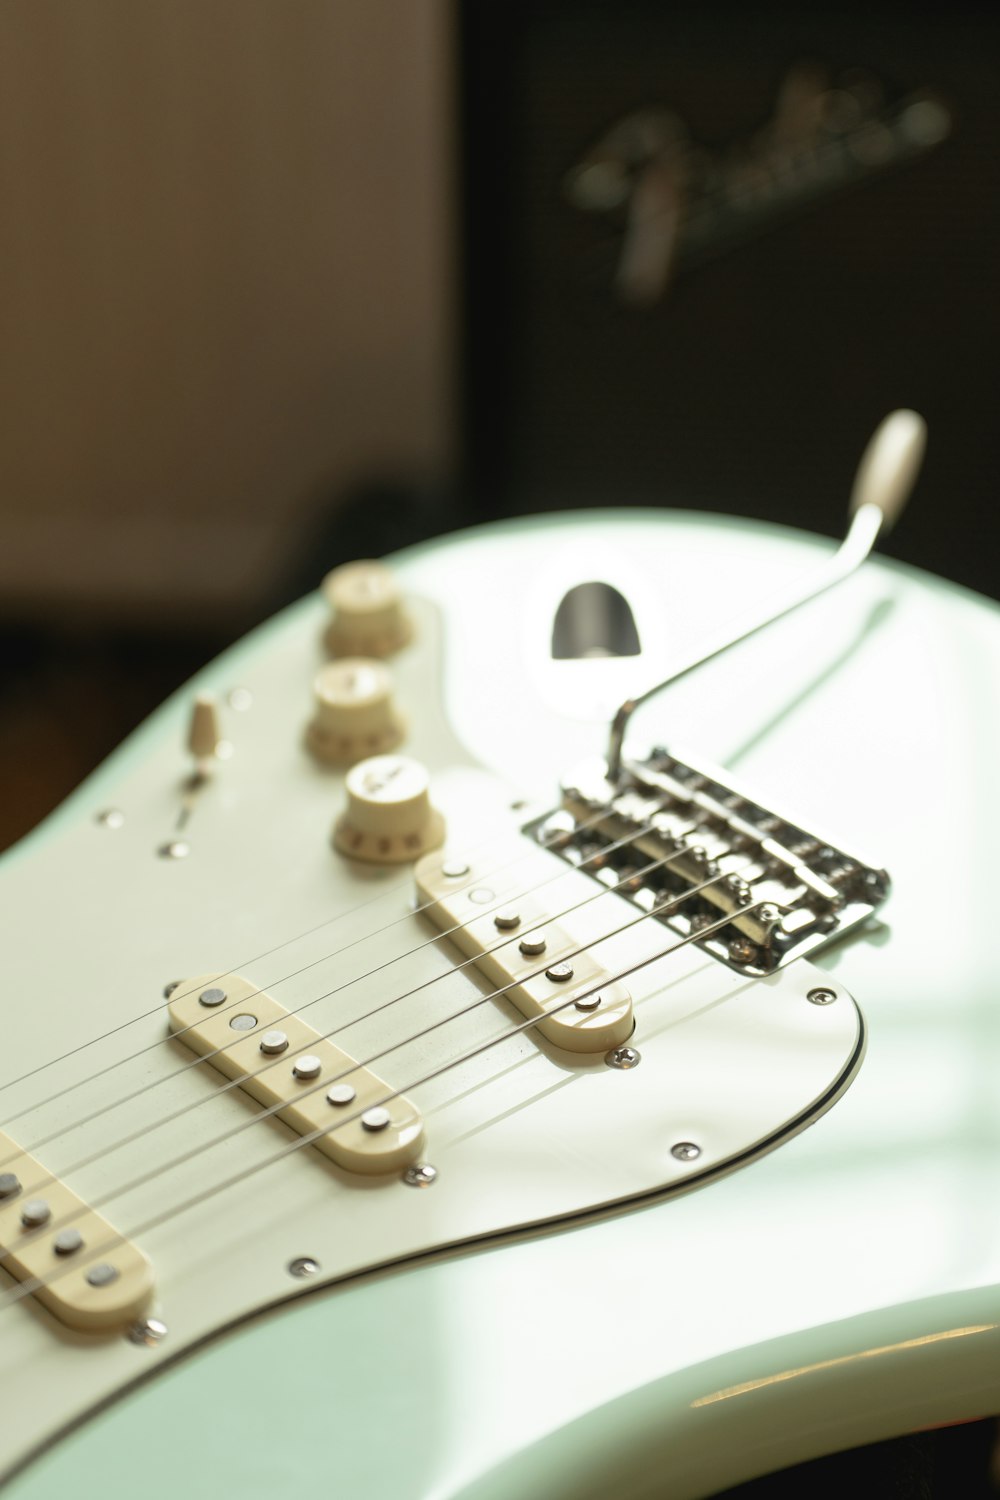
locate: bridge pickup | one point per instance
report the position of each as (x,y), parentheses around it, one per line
(539,938)
(89,1276)
(279,1059)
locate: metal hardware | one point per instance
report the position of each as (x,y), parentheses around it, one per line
(341,1094)
(307,1067)
(482,896)
(243,1023)
(176,849)
(743,952)
(211,997)
(240,698)
(623,1057)
(168,989)
(587,1002)
(559,973)
(375,1119)
(532,945)
(35,1213)
(303,1266)
(420,1175)
(454,869)
(821,996)
(885,476)
(111,817)
(148,1332)
(685,1151)
(507,920)
(103,1274)
(273,1042)
(67,1241)
(9,1185)
(712,853)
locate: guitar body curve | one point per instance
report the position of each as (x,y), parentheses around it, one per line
(838,1289)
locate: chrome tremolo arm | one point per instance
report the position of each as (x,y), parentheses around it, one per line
(885,477)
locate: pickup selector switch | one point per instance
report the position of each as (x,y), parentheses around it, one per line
(388,818)
(368,617)
(355,715)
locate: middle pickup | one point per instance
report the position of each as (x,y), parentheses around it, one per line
(342,1107)
(550,940)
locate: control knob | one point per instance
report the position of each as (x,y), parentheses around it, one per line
(368,617)
(355,715)
(388,818)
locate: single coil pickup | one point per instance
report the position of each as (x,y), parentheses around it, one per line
(86,1273)
(540,937)
(280,1060)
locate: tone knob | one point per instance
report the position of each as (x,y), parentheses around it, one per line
(355,715)
(388,818)
(368,617)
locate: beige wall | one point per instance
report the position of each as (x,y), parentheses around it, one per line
(225,284)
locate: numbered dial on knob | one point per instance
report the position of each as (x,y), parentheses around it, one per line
(355,715)
(368,617)
(388,818)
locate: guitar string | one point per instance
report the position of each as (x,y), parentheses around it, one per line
(356,1065)
(584,825)
(145,1090)
(31,1285)
(245,963)
(52,1226)
(358,979)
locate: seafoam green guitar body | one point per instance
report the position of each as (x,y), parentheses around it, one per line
(542,1320)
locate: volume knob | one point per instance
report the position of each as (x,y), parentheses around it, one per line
(355,715)
(388,818)
(368,617)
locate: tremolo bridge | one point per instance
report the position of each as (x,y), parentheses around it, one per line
(668,828)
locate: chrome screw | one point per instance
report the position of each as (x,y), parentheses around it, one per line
(685,1151)
(111,817)
(303,1266)
(148,1331)
(623,1057)
(420,1175)
(821,997)
(742,951)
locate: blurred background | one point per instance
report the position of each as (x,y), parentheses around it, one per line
(284,282)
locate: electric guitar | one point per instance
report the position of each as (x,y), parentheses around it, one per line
(409,1091)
